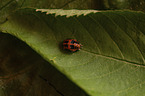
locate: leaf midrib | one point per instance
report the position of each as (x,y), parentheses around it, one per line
(117,59)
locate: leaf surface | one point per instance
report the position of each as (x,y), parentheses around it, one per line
(111,62)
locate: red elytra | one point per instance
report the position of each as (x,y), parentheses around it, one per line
(72,45)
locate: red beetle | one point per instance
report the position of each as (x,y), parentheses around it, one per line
(72,45)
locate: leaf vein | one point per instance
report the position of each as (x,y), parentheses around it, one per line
(47,26)
(119,92)
(117,59)
(127,34)
(106,74)
(109,36)
(90,36)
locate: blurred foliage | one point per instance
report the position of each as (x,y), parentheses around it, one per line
(138,5)
(8,6)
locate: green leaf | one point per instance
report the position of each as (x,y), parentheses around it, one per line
(111,62)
